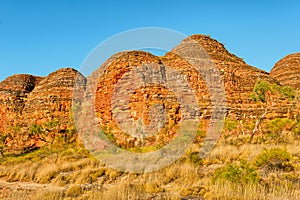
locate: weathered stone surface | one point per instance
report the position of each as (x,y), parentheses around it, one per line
(238,78)
(13,92)
(141,101)
(287,71)
(51,99)
(26,100)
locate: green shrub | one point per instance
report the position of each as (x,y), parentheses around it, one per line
(230,125)
(284,91)
(242,172)
(262,87)
(274,158)
(35,129)
(278,125)
(259,91)
(288,92)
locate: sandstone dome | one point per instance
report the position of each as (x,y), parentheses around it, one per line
(21,82)
(287,70)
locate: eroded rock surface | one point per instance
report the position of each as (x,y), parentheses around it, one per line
(287,70)
(27,100)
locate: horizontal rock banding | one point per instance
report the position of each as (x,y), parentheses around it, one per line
(26,100)
(287,70)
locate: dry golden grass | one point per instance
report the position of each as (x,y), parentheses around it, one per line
(48,195)
(228,191)
(82,177)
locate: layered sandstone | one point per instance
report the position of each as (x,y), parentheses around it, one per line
(134,82)
(27,100)
(51,99)
(238,78)
(13,92)
(287,70)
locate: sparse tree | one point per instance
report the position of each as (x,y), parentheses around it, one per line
(267,94)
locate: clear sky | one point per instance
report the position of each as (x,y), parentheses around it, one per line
(39,37)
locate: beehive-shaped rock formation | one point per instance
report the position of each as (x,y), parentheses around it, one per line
(287,70)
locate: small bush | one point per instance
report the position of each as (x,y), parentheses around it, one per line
(276,126)
(35,129)
(275,158)
(262,87)
(259,91)
(230,125)
(237,173)
(284,91)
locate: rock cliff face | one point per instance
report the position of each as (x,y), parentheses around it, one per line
(51,99)
(238,78)
(13,92)
(27,101)
(287,70)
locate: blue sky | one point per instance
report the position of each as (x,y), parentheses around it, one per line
(39,37)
